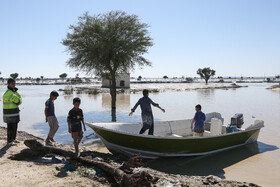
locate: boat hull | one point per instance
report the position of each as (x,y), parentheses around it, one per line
(156,146)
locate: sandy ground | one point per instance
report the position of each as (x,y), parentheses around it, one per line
(40,172)
(276,89)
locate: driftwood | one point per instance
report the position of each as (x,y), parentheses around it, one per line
(123,175)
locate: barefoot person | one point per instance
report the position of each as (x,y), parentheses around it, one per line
(147,114)
(198,119)
(50,117)
(11,101)
(75,117)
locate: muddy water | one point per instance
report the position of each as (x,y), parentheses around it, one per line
(258,163)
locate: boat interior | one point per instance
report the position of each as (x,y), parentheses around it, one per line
(213,125)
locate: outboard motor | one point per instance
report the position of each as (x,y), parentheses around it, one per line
(237,120)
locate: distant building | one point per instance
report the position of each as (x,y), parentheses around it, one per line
(122,81)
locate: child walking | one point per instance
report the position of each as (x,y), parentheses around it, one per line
(50,117)
(75,117)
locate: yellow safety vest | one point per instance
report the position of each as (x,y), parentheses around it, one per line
(11,101)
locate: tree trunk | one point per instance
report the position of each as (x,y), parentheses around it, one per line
(118,173)
(113,93)
(114,115)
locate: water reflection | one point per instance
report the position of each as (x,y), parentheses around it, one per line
(94,96)
(68,97)
(213,164)
(123,101)
(207,94)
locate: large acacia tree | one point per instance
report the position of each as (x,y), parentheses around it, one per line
(206,73)
(108,44)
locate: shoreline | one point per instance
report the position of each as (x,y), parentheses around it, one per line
(134,89)
(275,88)
(35,171)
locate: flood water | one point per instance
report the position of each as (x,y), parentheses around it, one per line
(258,163)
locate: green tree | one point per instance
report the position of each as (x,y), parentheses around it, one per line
(189,79)
(165,77)
(108,44)
(14,75)
(63,75)
(38,80)
(42,78)
(206,73)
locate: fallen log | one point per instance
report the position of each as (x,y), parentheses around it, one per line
(120,176)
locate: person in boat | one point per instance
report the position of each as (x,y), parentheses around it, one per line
(146,114)
(198,121)
(74,120)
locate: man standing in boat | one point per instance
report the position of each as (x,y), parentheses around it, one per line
(198,119)
(147,114)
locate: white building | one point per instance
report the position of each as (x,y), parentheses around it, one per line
(122,81)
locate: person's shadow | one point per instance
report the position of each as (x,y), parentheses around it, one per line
(212,164)
(4,149)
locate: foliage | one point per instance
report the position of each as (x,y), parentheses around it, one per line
(112,42)
(108,44)
(63,75)
(206,73)
(93,91)
(139,78)
(14,75)
(165,77)
(189,79)
(87,80)
(221,80)
(76,80)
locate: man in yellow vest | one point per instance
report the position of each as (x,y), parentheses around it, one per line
(11,101)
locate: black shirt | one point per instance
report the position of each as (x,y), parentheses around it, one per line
(75,116)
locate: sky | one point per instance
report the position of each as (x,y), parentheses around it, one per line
(233,37)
